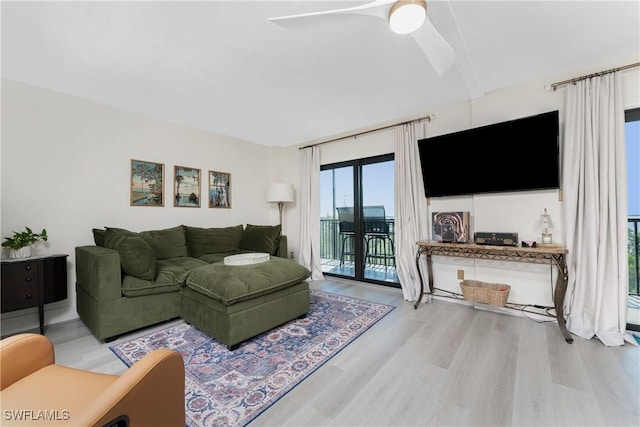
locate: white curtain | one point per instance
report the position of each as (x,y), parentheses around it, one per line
(595,190)
(410,208)
(310,212)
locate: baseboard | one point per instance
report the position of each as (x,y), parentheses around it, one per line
(27,320)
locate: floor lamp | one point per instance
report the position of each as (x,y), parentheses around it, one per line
(280,193)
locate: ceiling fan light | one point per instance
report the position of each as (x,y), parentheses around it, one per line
(406,16)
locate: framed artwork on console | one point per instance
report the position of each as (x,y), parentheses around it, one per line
(147,183)
(450,227)
(186,187)
(219,189)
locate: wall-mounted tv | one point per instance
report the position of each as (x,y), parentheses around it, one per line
(517,155)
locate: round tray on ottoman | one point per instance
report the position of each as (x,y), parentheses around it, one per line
(246,259)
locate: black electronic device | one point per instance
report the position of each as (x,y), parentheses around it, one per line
(495,239)
(516,155)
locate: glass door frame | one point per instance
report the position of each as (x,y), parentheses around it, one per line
(633,115)
(359,246)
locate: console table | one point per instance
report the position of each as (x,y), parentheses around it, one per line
(33,282)
(553,255)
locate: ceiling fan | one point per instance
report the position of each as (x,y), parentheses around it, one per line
(404,16)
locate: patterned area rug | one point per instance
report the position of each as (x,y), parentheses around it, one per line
(232,388)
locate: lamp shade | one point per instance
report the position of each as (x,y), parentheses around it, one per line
(280,192)
(406,16)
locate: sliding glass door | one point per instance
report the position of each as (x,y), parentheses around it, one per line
(337,230)
(357,220)
(632,134)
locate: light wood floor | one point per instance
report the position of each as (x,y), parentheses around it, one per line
(442,364)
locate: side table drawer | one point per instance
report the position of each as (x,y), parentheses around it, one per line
(19,297)
(19,286)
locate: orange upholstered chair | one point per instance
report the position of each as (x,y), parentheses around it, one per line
(34,391)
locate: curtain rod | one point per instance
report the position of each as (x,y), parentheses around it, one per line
(427,118)
(553,86)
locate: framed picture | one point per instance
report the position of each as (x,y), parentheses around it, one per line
(147,183)
(219,189)
(186,187)
(450,226)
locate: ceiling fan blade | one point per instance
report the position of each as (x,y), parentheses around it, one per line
(435,47)
(432,44)
(379,9)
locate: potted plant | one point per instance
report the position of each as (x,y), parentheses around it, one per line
(20,243)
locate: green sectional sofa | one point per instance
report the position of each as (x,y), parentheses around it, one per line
(130,280)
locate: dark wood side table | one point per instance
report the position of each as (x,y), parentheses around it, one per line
(33,282)
(552,255)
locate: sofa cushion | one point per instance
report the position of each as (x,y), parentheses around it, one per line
(232,283)
(261,238)
(201,241)
(169,278)
(167,243)
(98,236)
(136,256)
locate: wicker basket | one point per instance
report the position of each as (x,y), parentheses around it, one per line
(495,294)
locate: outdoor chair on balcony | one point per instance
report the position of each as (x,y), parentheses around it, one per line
(378,242)
(346,230)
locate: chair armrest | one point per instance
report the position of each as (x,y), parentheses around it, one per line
(98,272)
(22,355)
(282,247)
(150,393)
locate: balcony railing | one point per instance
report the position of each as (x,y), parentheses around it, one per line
(331,246)
(331,241)
(634,255)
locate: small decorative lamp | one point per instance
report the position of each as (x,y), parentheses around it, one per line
(546,225)
(280,193)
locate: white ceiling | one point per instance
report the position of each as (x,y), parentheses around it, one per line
(223,67)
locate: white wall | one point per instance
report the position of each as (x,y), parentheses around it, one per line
(66,168)
(508,212)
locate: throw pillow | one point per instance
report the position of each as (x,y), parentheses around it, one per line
(261,238)
(112,236)
(202,241)
(136,256)
(98,236)
(167,243)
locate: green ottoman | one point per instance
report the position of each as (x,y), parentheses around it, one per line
(233,303)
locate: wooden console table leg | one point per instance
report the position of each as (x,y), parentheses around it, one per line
(418,255)
(559,295)
(430,271)
(421,250)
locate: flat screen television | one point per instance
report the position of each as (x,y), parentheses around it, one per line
(516,155)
